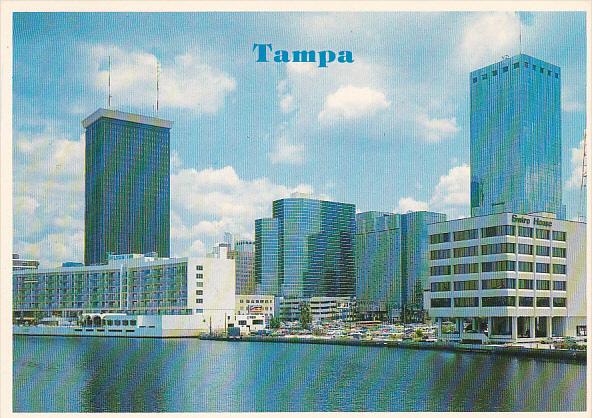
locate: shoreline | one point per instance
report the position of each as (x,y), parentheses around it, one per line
(578,356)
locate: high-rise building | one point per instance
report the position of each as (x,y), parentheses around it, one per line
(415,263)
(516,137)
(315,249)
(127,185)
(244,258)
(379,290)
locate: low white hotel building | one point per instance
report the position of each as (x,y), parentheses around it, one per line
(507,278)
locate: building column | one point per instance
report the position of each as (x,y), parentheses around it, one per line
(489,327)
(532,328)
(474,325)
(514,328)
(439,321)
(549,326)
(460,326)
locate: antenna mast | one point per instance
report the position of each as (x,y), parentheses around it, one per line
(583,186)
(109,98)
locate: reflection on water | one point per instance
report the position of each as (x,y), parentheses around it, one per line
(186,375)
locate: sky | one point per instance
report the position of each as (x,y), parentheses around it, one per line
(388,132)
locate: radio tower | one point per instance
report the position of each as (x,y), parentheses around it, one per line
(583,186)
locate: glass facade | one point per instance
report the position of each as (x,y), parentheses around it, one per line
(415,263)
(244,257)
(315,249)
(378,263)
(127,186)
(516,137)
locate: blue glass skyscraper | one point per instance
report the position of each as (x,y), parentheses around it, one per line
(266,256)
(315,248)
(127,185)
(516,137)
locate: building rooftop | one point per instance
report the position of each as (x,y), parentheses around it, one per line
(124,116)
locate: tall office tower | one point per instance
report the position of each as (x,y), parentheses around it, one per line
(127,189)
(415,262)
(244,257)
(315,248)
(516,137)
(229,239)
(379,291)
(266,256)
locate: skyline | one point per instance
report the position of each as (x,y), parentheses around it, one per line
(243,146)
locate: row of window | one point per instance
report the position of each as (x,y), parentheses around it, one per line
(499,248)
(500,265)
(523,301)
(496,231)
(504,283)
(256,301)
(516,66)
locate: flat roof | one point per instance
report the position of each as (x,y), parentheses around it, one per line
(128,117)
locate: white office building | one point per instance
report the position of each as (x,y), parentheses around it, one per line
(255,305)
(507,277)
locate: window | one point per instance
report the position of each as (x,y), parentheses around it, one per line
(543,284)
(199,267)
(199,276)
(124,322)
(559,252)
(525,284)
(499,301)
(559,286)
(516,65)
(504,265)
(440,303)
(543,250)
(496,231)
(439,270)
(494,73)
(499,284)
(559,302)
(525,249)
(549,72)
(542,70)
(198,300)
(534,67)
(505,69)
(559,269)
(466,302)
(117,322)
(440,287)
(199,310)
(525,231)
(503,247)
(542,302)
(542,234)
(440,238)
(525,64)
(439,254)
(542,267)
(242,322)
(525,266)
(199,292)
(466,268)
(474,79)
(466,285)
(465,235)
(199,284)
(483,76)
(525,301)
(556,75)
(466,251)
(133,322)
(559,236)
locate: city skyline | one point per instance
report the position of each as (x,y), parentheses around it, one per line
(224,176)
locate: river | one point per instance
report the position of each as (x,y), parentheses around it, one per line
(60,374)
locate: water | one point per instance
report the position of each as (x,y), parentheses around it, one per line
(55,374)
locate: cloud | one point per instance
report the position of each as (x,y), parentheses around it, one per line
(284,152)
(408,204)
(185,82)
(434,130)
(575,179)
(452,193)
(350,102)
(487,37)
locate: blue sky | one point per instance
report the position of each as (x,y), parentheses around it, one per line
(389,132)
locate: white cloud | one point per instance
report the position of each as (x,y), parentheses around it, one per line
(452,193)
(287,103)
(284,152)
(350,102)
(575,179)
(434,130)
(487,37)
(186,82)
(408,204)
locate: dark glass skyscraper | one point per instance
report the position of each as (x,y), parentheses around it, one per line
(315,248)
(516,137)
(127,185)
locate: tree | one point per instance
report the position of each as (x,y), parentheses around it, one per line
(275,322)
(305,316)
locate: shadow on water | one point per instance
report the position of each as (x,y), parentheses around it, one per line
(187,375)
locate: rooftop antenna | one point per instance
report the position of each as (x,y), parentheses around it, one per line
(583,185)
(157,84)
(109,98)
